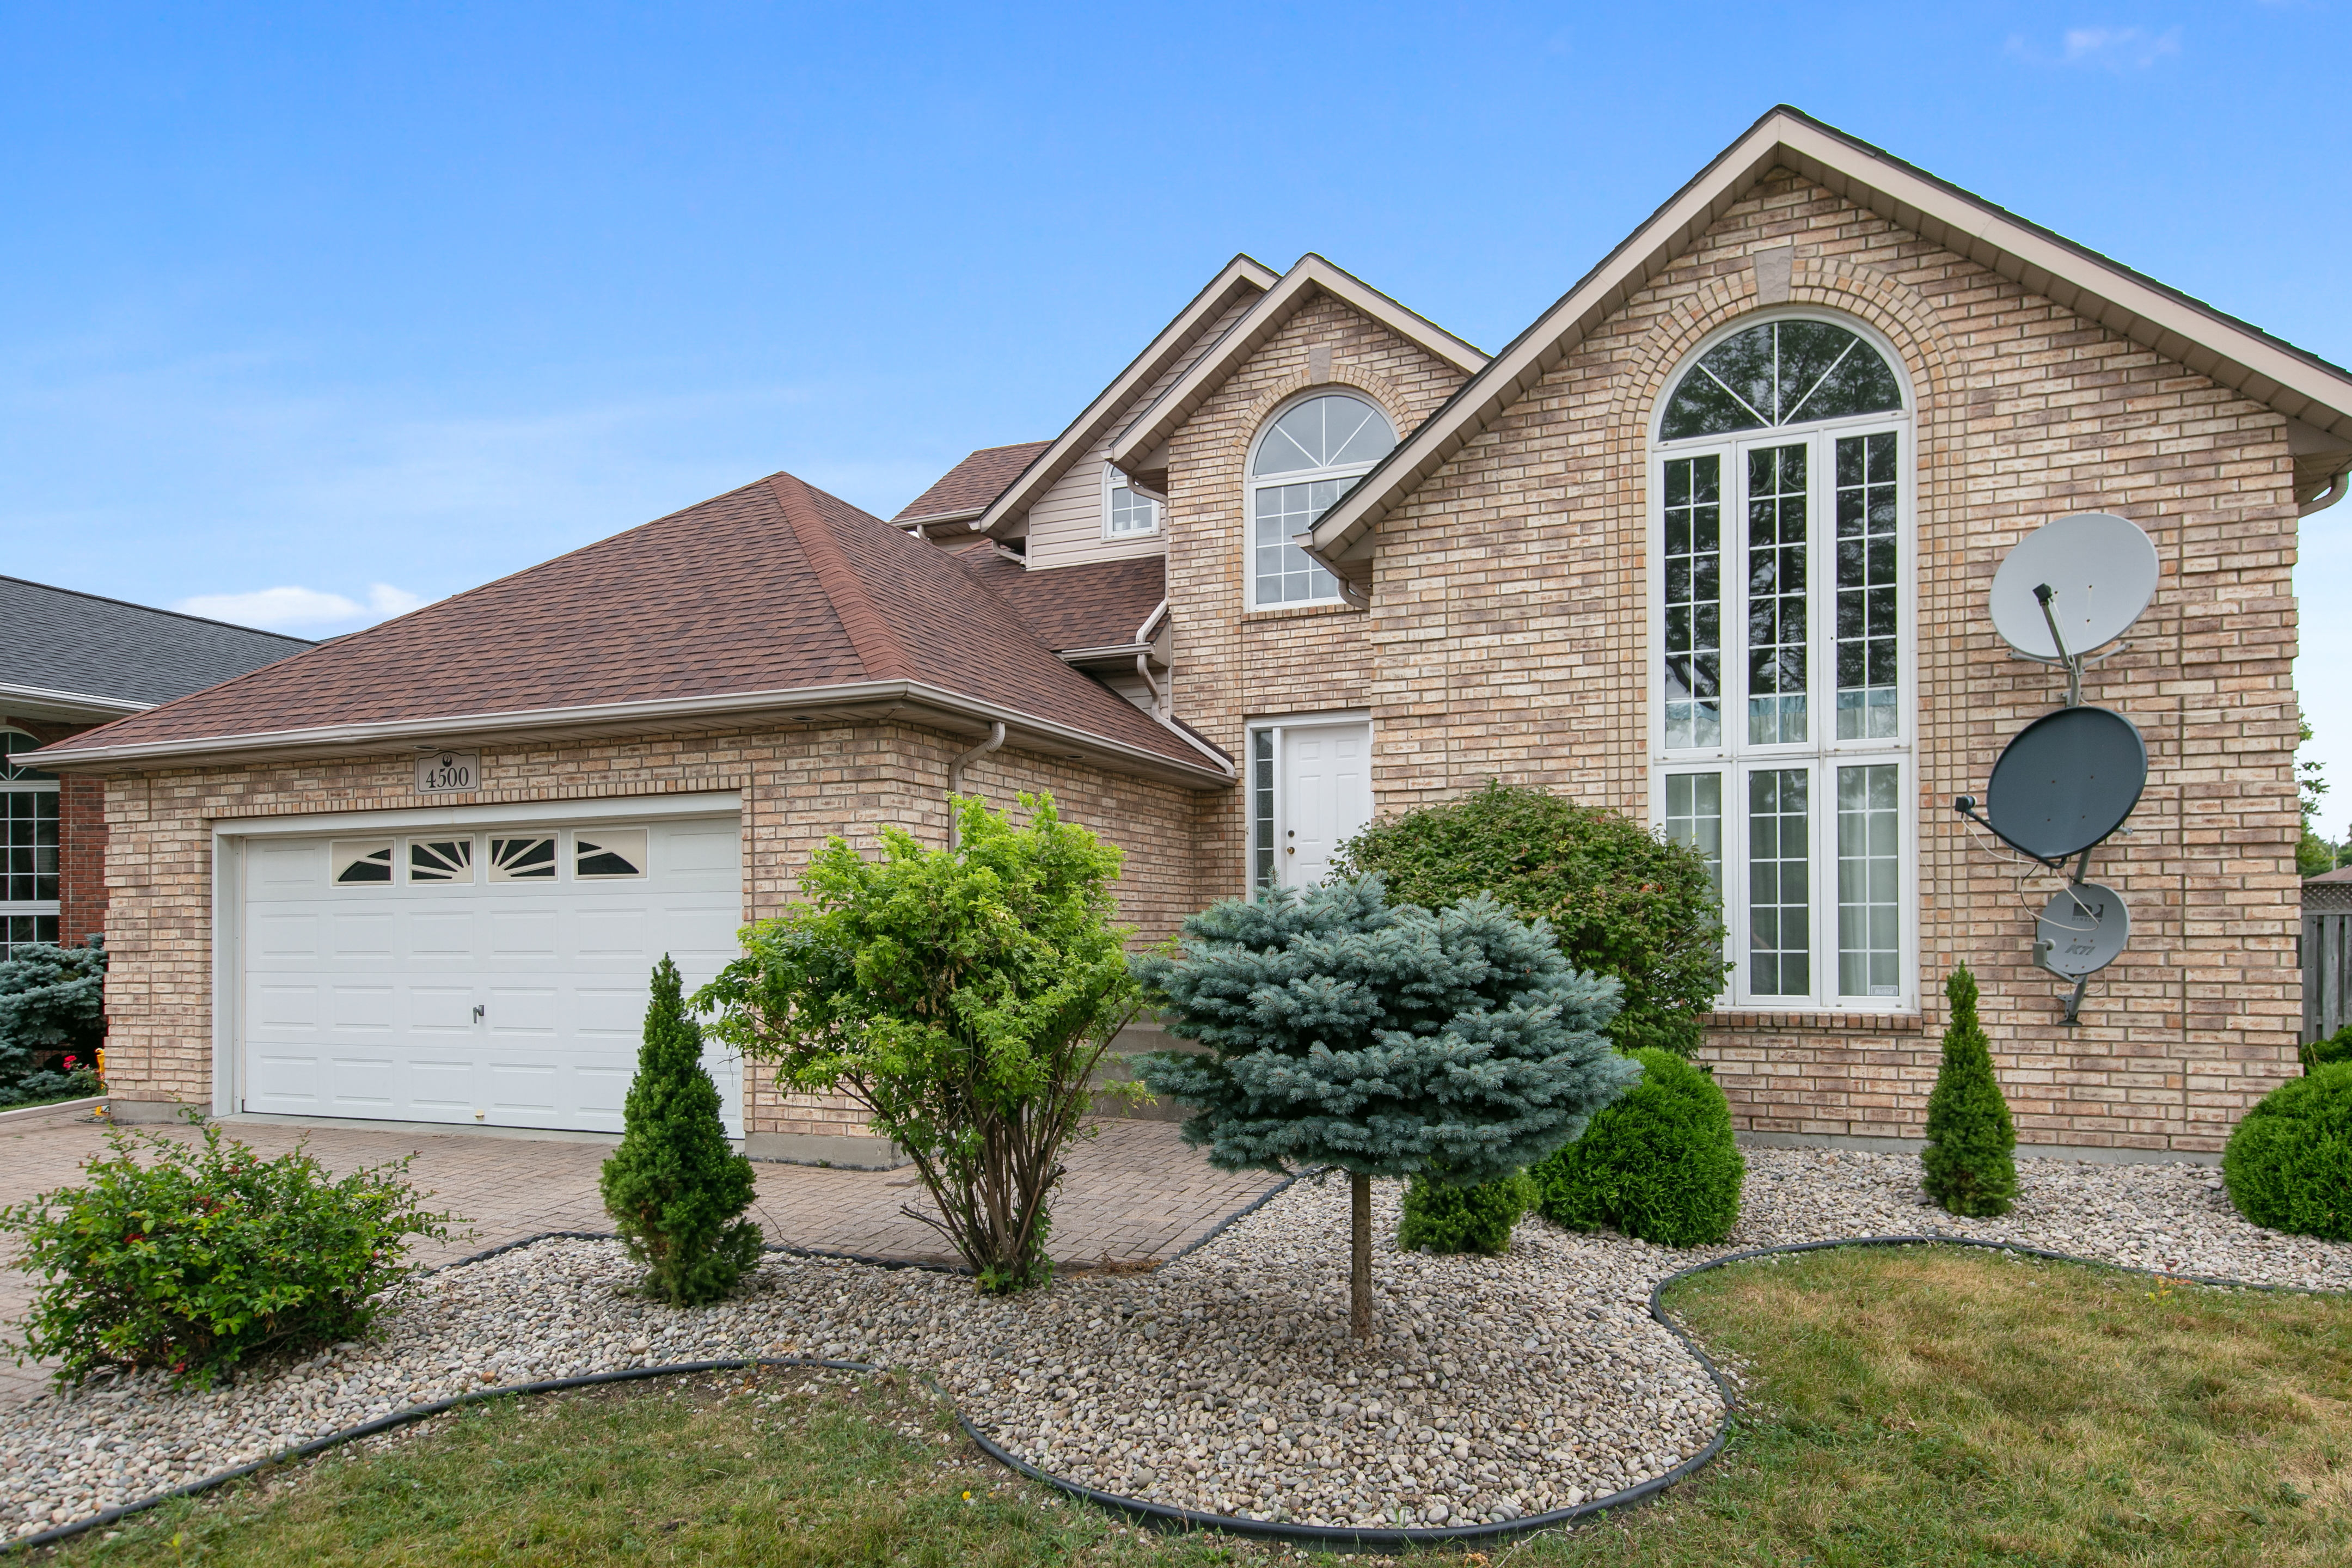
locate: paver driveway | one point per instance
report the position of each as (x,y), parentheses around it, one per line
(1134,1192)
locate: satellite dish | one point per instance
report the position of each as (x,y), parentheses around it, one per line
(2081,930)
(2100,572)
(2066,781)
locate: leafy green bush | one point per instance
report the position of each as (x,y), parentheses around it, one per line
(71,1081)
(675,1186)
(1660,1164)
(2288,1166)
(2336,1047)
(1619,901)
(963,997)
(207,1255)
(1968,1166)
(1444,1218)
(52,1002)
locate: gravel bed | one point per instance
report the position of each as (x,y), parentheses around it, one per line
(1224,1383)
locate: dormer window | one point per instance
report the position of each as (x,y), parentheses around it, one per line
(1300,466)
(1127,514)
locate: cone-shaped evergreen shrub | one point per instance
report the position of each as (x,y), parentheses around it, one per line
(1457,1045)
(1463,1219)
(2288,1166)
(674,1186)
(1660,1164)
(1969,1136)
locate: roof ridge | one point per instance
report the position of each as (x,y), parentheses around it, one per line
(880,650)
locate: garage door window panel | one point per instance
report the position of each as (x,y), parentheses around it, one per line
(522,860)
(609,855)
(361,862)
(440,859)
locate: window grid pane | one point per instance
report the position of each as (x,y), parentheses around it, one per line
(1779,895)
(1870,927)
(1695,816)
(28,847)
(1283,573)
(1694,601)
(1132,513)
(1776,595)
(23,931)
(1866,588)
(1262,809)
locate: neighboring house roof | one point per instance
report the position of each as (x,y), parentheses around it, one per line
(1139,450)
(2217,345)
(964,492)
(1241,278)
(82,655)
(771,601)
(2341,874)
(1106,603)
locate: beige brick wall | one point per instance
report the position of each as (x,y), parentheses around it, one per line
(800,785)
(1234,665)
(1507,633)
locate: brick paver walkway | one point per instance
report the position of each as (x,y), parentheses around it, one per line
(1134,1192)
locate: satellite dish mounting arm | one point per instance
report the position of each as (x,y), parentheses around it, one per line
(2042,594)
(1966,805)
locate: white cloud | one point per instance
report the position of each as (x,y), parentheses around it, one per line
(301,609)
(2104,48)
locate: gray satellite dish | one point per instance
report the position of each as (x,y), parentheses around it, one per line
(2100,571)
(2081,930)
(2066,782)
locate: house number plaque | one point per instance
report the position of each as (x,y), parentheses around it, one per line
(449,773)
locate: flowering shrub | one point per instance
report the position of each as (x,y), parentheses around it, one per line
(208,1255)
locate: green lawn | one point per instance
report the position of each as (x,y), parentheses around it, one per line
(1930,1405)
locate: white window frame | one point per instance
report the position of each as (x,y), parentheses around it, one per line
(34,909)
(1252,484)
(1114,481)
(1275,730)
(1821,753)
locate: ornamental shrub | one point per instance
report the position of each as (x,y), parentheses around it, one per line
(203,1255)
(1463,1219)
(1660,1164)
(675,1188)
(1456,1044)
(1967,1160)
(2288,1166)
(52,1002)
(960,996)
(2336,1047)
(1619,902)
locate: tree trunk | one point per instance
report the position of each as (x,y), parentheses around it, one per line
(1359,1281)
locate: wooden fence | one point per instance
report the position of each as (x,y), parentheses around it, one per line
(2327,966)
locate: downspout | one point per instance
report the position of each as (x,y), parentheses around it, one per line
(1158,702)
(955,774)
(2337,485)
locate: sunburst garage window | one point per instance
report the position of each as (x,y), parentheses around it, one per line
(601,854)
(522,860)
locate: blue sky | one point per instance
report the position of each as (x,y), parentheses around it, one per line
(353,307)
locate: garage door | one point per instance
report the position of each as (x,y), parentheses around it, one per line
(495,978)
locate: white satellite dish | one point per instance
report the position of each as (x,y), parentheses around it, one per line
(2100,571)
(2080,931)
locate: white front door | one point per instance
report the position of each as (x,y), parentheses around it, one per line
(491,977)
(1326,797)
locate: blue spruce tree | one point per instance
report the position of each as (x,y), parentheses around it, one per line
(1455,1044)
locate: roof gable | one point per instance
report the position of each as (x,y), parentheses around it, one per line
(964,492)
(2229,352)
(1240,278)
(1135,447)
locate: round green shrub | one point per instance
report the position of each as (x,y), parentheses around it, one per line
(1443,1218)
(1619,901)
(2336,1047)
(2288,1166)
(1660,1164)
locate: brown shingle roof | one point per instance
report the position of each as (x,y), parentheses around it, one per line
(770,587)
(1102,605)
(971,485)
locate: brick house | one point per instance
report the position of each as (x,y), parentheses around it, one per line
(69,662)
(1309,558)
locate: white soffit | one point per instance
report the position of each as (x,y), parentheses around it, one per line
(2229,352)
(1300,284)
(1242,275)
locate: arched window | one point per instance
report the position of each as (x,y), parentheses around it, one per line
(1780,539)
(28,858)
(1301,464)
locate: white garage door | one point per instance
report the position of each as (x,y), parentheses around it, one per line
(496,977)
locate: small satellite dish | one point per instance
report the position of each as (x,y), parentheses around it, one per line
(2066,781)
(2081,930)
(2100,572)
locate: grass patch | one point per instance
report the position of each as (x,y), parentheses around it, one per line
(1926,1406)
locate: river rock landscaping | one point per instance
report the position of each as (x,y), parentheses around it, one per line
(1225,1382)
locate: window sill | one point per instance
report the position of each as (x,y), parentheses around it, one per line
(1841,1022)
(1292,611)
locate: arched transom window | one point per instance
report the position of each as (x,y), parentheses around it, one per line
(1301,464)
(1781,649)
(28,858)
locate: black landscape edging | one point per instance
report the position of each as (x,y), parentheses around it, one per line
(1159,1516)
